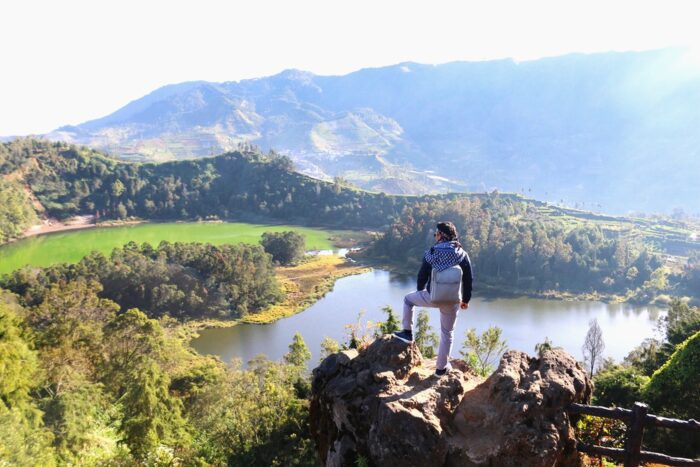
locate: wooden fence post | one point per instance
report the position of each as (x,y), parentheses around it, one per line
(635,433)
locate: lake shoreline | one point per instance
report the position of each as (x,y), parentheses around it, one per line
(356,304)
(505,291)
(52,226)
(304,285)
(82,222)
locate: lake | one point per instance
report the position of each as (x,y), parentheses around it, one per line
(72,246)
(525,321)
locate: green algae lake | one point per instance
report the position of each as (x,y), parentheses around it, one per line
(70,246)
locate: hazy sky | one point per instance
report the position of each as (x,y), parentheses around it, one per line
(68,61)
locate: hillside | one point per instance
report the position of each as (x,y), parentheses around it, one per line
(68,180)
(520,244)
(610,132)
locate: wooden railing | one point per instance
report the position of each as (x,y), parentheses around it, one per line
(636,420)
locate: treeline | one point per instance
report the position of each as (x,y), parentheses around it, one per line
(664,373)
(512,244)
(16,212)
(181,280)
(71,180)
(689,278)
(83,383)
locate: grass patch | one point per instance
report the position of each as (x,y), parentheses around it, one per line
(305,284)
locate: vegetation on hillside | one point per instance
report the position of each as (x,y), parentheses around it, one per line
(16,212)
(304,284)
(514,246)
(69,180)
(663,373)
(514,243)
(87,377)
(182,280)
(83,383)
(585,128)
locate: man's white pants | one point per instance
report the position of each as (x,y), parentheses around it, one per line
(448,318)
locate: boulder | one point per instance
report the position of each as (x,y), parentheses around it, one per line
(385,405)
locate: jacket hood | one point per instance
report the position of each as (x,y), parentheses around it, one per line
(444,255)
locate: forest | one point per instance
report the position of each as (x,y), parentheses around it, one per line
(514,242)
(70,180)
(16,212)
(96,366)
(180,280)
(661,372)
(513,246)
(84,384)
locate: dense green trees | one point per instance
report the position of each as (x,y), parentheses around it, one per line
(663,374)
(151,416)
(252,417)
(619,385)
(82,382)
(182,280)
(287,248)
(69,180)
(674,391)
(16,212)
(25,440)
(675,387)
(512,244)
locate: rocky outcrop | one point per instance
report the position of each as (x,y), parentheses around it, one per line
(384,405)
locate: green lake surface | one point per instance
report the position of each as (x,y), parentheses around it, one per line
(72,246)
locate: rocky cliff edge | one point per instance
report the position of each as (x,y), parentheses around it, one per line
(383,405)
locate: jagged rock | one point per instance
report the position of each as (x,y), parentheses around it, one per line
(385,405)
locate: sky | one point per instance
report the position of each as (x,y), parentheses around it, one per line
(69,61)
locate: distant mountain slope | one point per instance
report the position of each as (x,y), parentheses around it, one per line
(68,180)
(612,131)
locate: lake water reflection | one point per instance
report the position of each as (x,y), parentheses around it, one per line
(525,321)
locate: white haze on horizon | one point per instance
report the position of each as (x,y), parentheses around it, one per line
(71,61)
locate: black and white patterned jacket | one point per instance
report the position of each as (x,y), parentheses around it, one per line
(444,255)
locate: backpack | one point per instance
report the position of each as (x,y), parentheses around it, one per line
(446,286)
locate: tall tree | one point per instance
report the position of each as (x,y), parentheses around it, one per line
(23,438)
(286,248)
(151,416)
(298,353)
(593,345)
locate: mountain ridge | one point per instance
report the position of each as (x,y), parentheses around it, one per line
(607,130)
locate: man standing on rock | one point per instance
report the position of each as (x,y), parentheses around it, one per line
(445,254)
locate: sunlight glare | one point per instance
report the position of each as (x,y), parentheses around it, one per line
(691,58)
